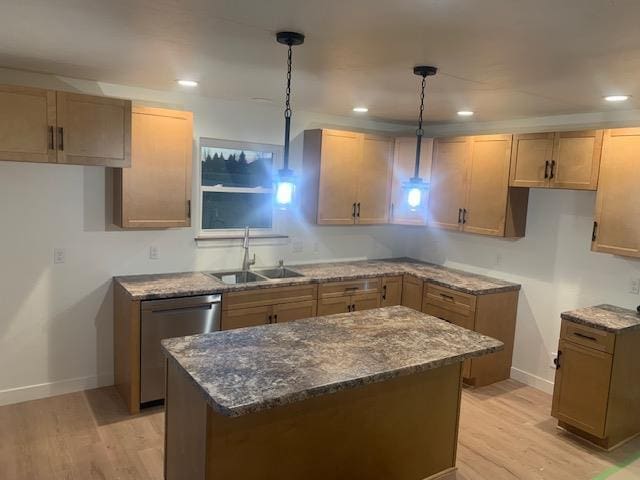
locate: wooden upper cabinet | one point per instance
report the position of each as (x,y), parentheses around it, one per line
(346,177)
(27,124)
(451,158)
(557,160)
(93,130)
(616,226)
(576,160)
(470,187)
(373,176)
(530,159)
(403,169)
(156,191)
(488,185)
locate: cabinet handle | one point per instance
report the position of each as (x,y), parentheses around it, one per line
(464,216)
(546,169)
(384,292)
(553,167)
(594,233)
(392,210)
(353,307)
(189,209)
(447,297)
(275,318)
(353,210)
(348,308)
(459,215)
(269,318)
(61,139)
(51,139)
(358,214)
(556,361)
(586,337)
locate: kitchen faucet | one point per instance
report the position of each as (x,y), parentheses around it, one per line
(246,262)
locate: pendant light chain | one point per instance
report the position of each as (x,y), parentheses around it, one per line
(287,110)
(420,131)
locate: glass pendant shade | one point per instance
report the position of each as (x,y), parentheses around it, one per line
(415,193)
(285,189)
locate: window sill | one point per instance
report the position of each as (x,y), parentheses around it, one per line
(234,239)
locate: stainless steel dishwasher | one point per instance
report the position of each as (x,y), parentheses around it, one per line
(169,318)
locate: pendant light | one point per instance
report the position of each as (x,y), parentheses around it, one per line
(416,188)
(286,180)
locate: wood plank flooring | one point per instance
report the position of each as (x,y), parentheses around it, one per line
(505,433)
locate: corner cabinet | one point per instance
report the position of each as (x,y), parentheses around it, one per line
(569,160)
(156,191)
(347,177)
(57,127)
(404,160)
(470,187)
(616,228)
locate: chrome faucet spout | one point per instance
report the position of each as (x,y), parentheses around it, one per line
(246,262)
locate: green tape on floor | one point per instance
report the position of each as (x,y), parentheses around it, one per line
(617,468)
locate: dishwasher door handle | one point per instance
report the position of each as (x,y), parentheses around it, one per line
(187,308)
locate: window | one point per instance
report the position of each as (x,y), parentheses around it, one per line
(236,185)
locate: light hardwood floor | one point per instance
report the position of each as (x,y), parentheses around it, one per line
(505,433)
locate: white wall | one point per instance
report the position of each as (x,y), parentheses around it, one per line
(56,320)
(553,263)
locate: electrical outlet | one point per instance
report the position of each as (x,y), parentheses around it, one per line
(154,253)
(634,286)
(59,255)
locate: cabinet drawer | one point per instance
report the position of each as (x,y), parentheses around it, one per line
(588,336)
(464,321)
(447,299)
(269,296)
(352,287)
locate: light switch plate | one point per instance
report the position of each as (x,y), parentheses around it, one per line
(154,253)
(634,286)
(59,255)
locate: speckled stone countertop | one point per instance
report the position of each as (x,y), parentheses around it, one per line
(605,317)
(251,369)
(147,287)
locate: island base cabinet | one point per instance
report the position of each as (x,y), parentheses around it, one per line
(402,429)
(596,393)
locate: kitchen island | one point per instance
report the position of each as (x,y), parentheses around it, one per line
(370,395)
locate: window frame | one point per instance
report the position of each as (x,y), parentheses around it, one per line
(225,233)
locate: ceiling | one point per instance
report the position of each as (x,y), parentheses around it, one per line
(504,59)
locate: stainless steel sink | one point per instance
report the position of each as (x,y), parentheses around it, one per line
(278,272)
(241,276)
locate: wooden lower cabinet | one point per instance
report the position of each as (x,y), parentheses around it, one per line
(596,393)
(288,312)
(348,303)
(493,315)
(412,292)
(246,317)
(391,291)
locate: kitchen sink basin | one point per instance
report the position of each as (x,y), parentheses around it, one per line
(241,276)
(278,272)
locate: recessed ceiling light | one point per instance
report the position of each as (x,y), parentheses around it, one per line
(360,109)
(187,83)
(617,98)
(465,113)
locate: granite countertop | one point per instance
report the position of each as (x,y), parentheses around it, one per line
(251,369)
(147,287)
(605,317)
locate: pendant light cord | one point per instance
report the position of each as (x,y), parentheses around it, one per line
(420,131)
(287,110)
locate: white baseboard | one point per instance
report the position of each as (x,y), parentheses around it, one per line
(44,390)
(532,380)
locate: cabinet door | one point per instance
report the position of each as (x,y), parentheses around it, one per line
(93,130)
(246,317)
(332,305)
(616,226)
(339,162)
(288,312)
(156,191)
(27,124)
(391,291)
(531,155)
(374,180)
(451,158)
(412,288)
(365,301)
(403,169)
(581,391)
(576,160)
(488,187)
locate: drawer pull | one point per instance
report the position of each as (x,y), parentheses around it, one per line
(586,337)
(351,289)
(447,297)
